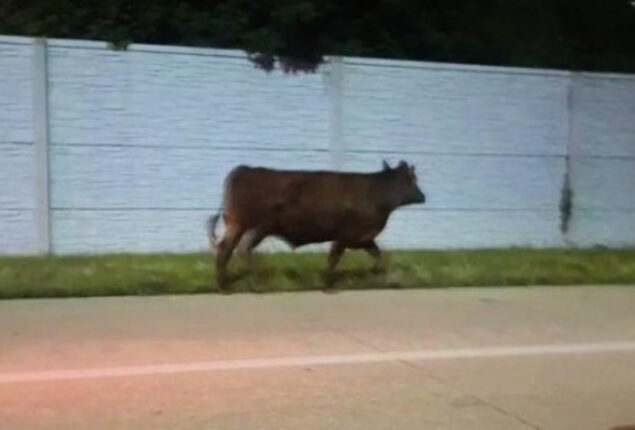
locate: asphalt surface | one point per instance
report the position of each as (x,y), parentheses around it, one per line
(486,358)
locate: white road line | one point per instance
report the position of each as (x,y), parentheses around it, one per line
(318,360)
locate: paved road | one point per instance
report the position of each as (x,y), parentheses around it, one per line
(518,358)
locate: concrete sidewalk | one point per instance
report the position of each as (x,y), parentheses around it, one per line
(364,360)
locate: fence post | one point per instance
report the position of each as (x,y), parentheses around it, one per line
(336,83)
(39,73)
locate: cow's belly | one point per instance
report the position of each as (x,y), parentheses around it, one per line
(305,232)
(347,226)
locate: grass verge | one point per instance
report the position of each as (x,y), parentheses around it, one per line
(104,275)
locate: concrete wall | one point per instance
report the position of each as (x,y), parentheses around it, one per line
(138,143)
(141,140)
(490,144)
(18,228)
(603,160)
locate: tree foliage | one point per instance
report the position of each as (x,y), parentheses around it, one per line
(570,34)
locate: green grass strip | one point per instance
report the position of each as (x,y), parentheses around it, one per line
(146,274)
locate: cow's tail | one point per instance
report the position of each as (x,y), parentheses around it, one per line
(212,222)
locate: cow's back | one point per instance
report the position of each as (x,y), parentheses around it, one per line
(258,191)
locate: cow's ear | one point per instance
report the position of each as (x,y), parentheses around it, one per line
(385,165)
(403,164)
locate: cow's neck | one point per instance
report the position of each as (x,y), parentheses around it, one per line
(389,194)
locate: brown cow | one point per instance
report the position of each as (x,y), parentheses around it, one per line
(302,207)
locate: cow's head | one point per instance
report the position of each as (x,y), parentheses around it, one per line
(406,183)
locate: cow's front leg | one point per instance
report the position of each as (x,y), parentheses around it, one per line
(337,249)
(373,250)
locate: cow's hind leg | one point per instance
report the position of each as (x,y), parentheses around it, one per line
(337,249)
(253,239)
(232,236)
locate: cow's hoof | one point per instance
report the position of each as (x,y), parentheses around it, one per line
(255,287)
(377,270)
(330,279)
(223,288)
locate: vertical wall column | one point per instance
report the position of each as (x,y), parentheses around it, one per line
(41,142)
(336,87)
(566,198)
